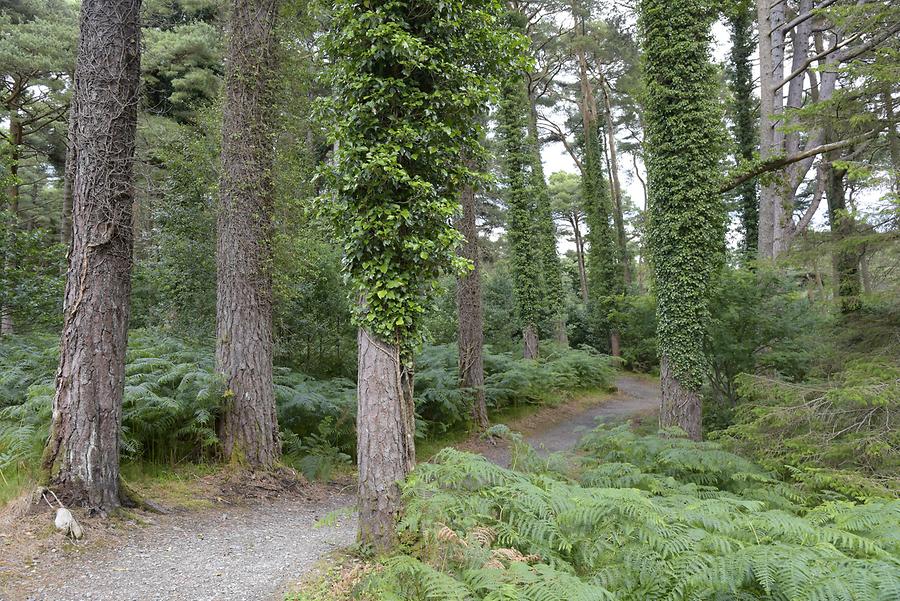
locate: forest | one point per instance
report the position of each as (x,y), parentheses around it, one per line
(446,300)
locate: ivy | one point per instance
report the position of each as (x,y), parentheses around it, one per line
(523,201)
(684,146)
(409,80)
(605,276)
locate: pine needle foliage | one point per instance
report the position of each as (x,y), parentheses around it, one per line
(635,518)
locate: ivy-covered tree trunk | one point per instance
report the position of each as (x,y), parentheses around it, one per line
(741,81)
(522,210)
(605,279)
(400,121)
(248,428)
(82,454)
(554,296)
(471,318)
(614,185)
(845,257)
(687,216)
(385,443)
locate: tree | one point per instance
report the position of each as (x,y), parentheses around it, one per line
(249,426)
(409,81)
(36,48)
(565,192)
(827,39)
(740,80)
(683,142)
(471,319)
(87,408)
(522,208)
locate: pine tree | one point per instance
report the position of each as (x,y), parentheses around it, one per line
(82,454)
(249,425)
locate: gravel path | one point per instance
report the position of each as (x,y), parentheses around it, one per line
(253,553)
(243,554)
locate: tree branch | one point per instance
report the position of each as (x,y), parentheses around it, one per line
(780,162)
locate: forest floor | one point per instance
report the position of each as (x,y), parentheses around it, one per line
(248,551)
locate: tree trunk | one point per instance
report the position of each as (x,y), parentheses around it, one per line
(248,428)
(770,16)
(530,342)
(615,343)
(385,430)
(579,254)
(87,407)
(471,320)
(615,186)
(680,406)
(16,139)
(845,260)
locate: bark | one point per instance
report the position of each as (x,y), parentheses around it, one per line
(560,333)
(385,439)
(680,406)
(84,435)
(248,428)
(471,319)
(614,343)
(893,137)
(530,342)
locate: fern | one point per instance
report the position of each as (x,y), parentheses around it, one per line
(663,519)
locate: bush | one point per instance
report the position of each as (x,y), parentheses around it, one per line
(634,518)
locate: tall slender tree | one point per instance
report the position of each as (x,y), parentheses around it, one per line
(522,207)
(82,454)
(409,81)
(249,425)
(741,82)
(471,318)
(687,222)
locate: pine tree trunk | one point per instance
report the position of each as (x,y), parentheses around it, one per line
(680,406)
(530,342)
(385,430)
(16,139)
(82,455)
(248,428)
(471,319)
(615,343)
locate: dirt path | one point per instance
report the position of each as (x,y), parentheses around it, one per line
(560,428)
(253,553)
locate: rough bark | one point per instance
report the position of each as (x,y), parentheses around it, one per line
(82,455)
(248,428)
(471,319)
(530,342)
(615,343)
(680,405)
(385,439)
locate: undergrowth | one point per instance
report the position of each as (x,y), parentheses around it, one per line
(633,518)
(173,399)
